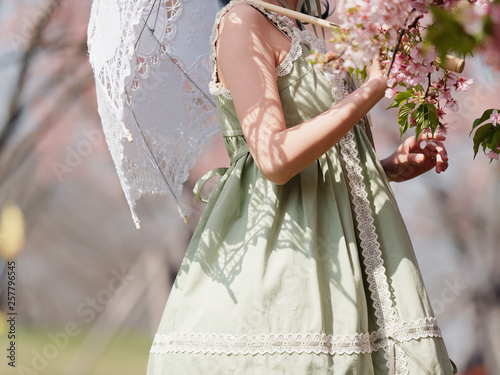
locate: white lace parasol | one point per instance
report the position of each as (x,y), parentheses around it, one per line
(151,60)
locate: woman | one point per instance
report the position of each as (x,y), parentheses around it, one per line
(301,263)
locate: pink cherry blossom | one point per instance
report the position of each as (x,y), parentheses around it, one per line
(495,117)
(451,79)
(472,17)
(492,155)
(490,48)
(443,128)
(446,94)
(440,112)
(452,105)
(390,93)
(463,83)
(371,28)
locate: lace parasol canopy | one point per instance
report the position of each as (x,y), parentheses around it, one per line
(151,60)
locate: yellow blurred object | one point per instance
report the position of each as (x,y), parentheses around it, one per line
(11,231)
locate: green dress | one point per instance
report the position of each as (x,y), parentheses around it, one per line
(316,276)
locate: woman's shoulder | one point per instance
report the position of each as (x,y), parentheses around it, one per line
(243,15)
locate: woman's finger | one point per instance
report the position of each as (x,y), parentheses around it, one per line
(429,137)
(441,150)
(425,136)
(439,137)
(416,158)
(400,159)
(438,147)
(441,164)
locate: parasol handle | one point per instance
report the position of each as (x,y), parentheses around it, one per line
(452,63)
(297,15)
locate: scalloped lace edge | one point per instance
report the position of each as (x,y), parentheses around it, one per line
(370,246)
(282,23)
(308,343)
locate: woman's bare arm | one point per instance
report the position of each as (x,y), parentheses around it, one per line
(248,52)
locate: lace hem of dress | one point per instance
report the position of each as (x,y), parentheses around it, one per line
(281,22)
(307,343)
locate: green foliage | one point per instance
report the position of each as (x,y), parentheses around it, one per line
(358,73)
(126,353)
(400,98)
(448,34)
(426,117)
(404,116)
(487,136)
(414,111)
(486,115)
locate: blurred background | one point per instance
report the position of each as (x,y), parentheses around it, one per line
(90,288)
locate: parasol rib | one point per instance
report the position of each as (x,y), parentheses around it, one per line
(191,80)
(181,211)
(156,20)
(146,24)
(176,63)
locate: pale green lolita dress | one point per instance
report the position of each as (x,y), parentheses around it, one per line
(317,276)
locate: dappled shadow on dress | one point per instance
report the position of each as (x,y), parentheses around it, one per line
(250,221)
(295,231)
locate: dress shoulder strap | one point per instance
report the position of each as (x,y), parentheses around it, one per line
(282,23)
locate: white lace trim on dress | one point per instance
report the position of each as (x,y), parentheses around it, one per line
(370,246)
(309,343)
(371,252)
(282,23)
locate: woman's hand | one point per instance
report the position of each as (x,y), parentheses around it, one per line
(374,70)
(377,78)
(415,157)
(376,73)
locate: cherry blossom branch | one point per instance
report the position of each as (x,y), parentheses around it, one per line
(429,83)
(400,38)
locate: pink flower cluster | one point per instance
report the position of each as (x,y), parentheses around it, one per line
(372,26)
(392,33)
(410,69)
(367,25)
(371,29)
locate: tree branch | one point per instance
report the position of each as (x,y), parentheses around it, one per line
(398,43)
(15,108)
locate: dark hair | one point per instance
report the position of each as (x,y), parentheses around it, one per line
(325,14)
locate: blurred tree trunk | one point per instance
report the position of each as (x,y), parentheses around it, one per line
(15,106)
